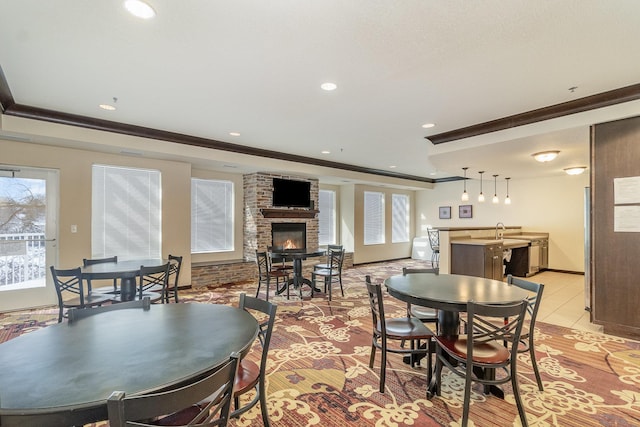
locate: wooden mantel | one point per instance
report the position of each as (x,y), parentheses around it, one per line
(289,213)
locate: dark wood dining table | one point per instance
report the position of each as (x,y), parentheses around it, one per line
(297,256)
(126,271)
(449,293)
(67,371)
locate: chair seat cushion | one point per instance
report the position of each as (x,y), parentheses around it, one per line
(89,300)
(407,328)
(247,376)
(424,313)
(326,272)
(489,353)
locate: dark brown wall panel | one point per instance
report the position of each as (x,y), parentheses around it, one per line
(615,148)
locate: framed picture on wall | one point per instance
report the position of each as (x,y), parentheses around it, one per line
(445,212)
(465,211)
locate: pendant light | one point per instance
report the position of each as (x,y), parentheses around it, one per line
(495,191)
(465,195)
(481,195)
(507,200)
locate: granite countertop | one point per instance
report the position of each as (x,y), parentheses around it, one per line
(507,243)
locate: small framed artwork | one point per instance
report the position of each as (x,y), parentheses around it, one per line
(465,211)
(445,212)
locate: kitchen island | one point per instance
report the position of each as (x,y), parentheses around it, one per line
(480,251)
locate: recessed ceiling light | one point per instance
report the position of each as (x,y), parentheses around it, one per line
(328,86)
(576,170)
(234,133)
(545,156)
(393,166)
(139,9)
(428,125)
(326,152)
(107,107)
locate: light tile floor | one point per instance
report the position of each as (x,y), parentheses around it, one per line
(563,301)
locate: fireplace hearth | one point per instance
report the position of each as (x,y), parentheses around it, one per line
(289,235)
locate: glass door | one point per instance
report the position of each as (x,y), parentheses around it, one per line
(28,236)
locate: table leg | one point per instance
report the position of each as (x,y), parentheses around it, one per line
(128,288)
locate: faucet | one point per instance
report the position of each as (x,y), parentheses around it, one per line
(499,234)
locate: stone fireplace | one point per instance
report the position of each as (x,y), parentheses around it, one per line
(260,215)
(289,235)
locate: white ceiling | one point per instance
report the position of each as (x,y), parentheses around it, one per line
(206,68)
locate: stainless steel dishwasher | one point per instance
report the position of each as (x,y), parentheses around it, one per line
(534,257)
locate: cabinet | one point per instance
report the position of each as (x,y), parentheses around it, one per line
(477,260)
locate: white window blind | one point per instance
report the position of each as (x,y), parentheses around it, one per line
(125,213)
(211,215)
(399,218)
(373,218)
(327,217)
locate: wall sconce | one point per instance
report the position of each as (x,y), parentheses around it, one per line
(481,195)
(576,170)
(495,191)
(507,200)
(546,156)
(465,195)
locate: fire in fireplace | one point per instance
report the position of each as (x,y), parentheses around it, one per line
(289,235)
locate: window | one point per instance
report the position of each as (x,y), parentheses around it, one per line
(126,213)
(373,218)
(399,218)
(211,215)
(327,217)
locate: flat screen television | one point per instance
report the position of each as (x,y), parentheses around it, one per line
(291,193)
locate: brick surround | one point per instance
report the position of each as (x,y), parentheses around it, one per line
(258,190)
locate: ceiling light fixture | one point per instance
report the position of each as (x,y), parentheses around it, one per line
(575,170)
(481,195)
(107,107)
(495,198)
(465,195)
(507,200)
(234,133)
(139,9)
(546,156)
(428,125)
(392,166)
(328,86)
(326,152)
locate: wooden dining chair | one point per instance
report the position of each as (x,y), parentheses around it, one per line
(488,346)
(330,275)
(425,314)
(75,314)
(251,376)
(175,264)
(385,331)
(91,261)
(266,274)
(180,406)
(69,283)
(153,282)
(526,337)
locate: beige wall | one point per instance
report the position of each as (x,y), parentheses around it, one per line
(74,168)
(554,205)
(371,253)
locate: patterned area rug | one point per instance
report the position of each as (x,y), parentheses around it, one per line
(319,375)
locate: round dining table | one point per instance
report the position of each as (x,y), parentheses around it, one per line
(449,293)
(66,372)
(297,256)
(126,271)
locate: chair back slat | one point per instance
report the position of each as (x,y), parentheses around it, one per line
(217,388)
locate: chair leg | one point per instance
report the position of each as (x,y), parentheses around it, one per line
(516,396)
(263,402)
(340,280)
(534,363)
(467,396)
(383,367)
